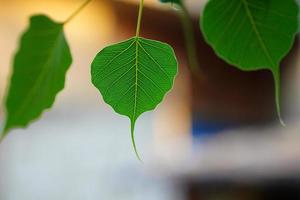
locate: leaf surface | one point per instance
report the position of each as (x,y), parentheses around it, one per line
(39,70)
(133,76)
(251,34)
(178,2)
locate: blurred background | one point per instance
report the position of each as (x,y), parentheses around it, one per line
(212,138)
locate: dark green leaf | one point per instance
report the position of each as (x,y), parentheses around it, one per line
(251,34)
(178,2)
(39,70)
(133,76)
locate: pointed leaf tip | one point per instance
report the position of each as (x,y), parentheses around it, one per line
(133,76)
(247,37)
(277,88)
(132,127)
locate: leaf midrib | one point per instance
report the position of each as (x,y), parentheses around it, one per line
(257,33)
(138,51)
(136,77)
(41,75)
(138,44)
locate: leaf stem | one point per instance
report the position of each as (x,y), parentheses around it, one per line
(190,42)
(189,37)
(138,26)
(74,14)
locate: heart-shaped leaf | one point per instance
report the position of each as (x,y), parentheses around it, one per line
(133,76)
(39,70)
(251,34)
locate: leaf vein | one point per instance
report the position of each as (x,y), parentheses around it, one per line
(155,62)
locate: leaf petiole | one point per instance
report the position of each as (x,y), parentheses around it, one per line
(138,26)
(74,14)
(189,37)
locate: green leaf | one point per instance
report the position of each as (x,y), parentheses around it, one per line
(39,70)
(252,34)
(133,76)
(178,2)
